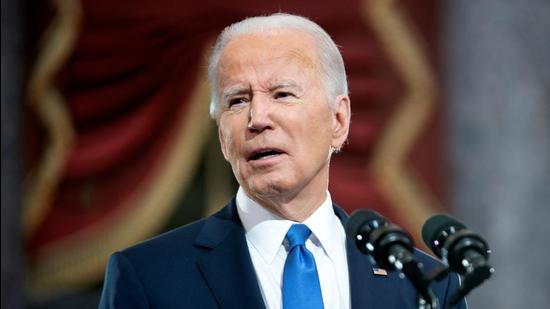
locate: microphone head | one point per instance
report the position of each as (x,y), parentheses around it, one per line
(357,219)
(375,236)
(434,229)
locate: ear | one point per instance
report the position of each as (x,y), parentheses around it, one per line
(341,121)
(223,143)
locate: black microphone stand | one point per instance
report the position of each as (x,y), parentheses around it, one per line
(478,274)
(391,248)
(411,269)
(396,244)
(465,253)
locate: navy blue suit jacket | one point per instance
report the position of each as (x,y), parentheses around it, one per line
(206,264)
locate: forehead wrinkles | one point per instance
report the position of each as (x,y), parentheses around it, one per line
(275,73)
(261,54)
(296,54)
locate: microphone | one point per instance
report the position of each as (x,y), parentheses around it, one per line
(391,247)
(462,250)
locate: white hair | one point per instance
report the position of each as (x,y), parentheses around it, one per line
(332,64)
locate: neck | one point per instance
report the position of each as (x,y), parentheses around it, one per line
(295,206)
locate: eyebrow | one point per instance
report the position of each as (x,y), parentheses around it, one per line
(234,91)
(226,93)
(284,84)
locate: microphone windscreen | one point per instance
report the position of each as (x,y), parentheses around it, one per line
(435,225)
(357,219)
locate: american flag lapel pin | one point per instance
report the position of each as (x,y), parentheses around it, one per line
(379,272)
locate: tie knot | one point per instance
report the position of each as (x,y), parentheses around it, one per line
(297,234)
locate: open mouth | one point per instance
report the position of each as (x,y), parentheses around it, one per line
(264,154)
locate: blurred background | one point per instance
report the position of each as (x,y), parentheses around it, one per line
(106,139)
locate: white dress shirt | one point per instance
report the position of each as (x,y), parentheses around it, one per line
(265,236)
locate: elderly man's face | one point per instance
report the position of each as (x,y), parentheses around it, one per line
(276,127)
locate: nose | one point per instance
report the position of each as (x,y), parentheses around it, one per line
(259,118)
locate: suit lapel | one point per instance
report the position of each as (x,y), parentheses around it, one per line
(228,270)
(366,288)
(227,267)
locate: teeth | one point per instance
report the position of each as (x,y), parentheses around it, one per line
(264,154)
(267,156)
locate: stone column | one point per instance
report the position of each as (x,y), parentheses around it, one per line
(497,70)
(12,81)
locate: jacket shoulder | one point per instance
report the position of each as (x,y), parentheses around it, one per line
(177,240)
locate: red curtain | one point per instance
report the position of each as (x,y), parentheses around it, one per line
(127,86)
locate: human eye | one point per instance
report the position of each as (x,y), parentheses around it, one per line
(283,95)
(237,101)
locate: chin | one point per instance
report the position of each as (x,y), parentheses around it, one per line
(266,187)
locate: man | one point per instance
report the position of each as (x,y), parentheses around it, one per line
(280,99)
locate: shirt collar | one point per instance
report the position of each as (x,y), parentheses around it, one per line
(266,231)
(327,228)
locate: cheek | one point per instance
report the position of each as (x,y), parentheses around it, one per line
(319,128)
(231,148)
(226,142)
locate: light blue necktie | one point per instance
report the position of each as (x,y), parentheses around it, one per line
(301,288)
